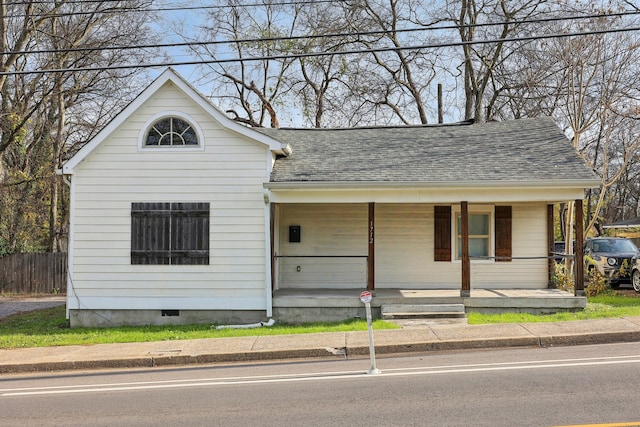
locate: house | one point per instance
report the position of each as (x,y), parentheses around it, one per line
(179,214)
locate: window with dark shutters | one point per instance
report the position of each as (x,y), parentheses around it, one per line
(503,233)
(502,230)
(442,233)
(170,233)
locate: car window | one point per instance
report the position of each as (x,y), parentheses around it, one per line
(624,246)
(614,245)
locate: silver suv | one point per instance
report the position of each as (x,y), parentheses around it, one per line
(612,257)
(635,275)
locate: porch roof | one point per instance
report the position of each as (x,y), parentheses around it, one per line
(519,152)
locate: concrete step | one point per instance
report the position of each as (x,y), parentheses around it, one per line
(422,311)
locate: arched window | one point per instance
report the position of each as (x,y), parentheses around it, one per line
(171,131)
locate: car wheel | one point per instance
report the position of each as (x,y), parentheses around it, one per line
(635,280)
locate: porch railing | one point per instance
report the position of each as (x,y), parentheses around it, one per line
(322,270)
(340,271)
(553,260)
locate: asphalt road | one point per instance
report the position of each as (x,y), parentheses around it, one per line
(513,387)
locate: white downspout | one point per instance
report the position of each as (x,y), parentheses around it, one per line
(270,322)
(267,251)
(70,241)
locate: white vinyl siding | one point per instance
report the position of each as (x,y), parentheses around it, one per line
(332,252)
(404,247)
(228,174)
(529,240)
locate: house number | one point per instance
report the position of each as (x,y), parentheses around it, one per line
(371,232)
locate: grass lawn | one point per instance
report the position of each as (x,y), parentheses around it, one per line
(598,307)
(50,328)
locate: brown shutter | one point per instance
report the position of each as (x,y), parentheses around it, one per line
(503,233)
(442,233)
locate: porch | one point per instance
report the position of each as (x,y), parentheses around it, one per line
(309,305)
(415,246)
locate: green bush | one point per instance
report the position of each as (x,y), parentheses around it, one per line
(597,285)
(625,269)
(561,279)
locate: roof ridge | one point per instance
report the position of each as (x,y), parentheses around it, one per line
(377,127)
(413,126)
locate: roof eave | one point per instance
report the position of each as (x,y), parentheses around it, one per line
(575,184)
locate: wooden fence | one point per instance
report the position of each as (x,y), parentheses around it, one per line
(42,273)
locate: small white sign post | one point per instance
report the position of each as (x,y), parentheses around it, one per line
(366,297)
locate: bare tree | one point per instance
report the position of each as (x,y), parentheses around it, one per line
(479,22)
(323,82)
(41,111)
(592,85)
(587,84)
(404,77)
(251,91)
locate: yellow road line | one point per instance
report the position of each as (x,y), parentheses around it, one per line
(630,424)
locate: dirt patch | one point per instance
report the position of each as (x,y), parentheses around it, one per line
(32,297)
(628,293)
(24,303)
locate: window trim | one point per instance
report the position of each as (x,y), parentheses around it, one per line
(142,136)
(473,209)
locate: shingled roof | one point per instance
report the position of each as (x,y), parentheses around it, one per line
(518,151)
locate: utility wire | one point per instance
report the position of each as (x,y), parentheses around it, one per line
(319,54)
(274,3)
(320,36)
(125,8)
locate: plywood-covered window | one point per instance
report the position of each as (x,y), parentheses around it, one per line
(170,233)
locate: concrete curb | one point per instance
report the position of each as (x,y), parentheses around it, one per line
(593,338)
(159,361)
(323,353)
(446,346)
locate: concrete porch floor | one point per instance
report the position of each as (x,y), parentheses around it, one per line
(303,305)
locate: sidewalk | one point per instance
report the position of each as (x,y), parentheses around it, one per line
(417,339)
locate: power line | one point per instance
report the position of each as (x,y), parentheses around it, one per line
(124,9)
(119,9)
(319,54)
(320,36)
